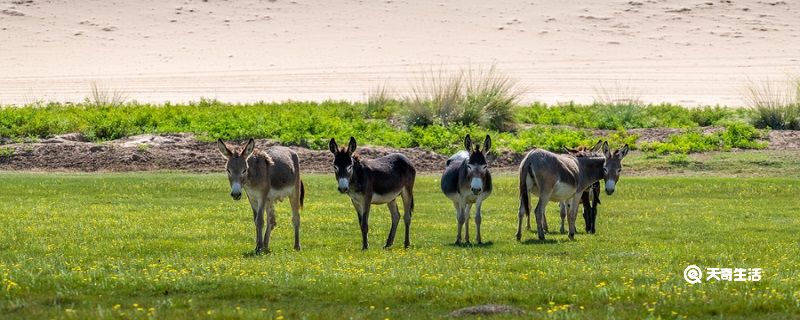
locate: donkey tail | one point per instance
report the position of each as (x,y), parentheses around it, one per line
(302,192)
(524,196)
(411,193)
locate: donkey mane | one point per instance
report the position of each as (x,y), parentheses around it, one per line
(257,153)
(356,158)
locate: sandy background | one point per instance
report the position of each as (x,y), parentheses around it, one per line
(688,52)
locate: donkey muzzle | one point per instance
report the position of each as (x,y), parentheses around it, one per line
(236,191)
(610,185)
(344,185)
(476,186)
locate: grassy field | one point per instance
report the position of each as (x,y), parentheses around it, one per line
(171,245)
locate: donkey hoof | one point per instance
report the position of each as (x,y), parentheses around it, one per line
(571,236)
(297,248)
(406,245)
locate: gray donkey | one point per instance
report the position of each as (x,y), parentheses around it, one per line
(557,178)
(375,181)
(467,181)
(266,177)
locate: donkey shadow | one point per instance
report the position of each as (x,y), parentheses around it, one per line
(485,244)
(534,241)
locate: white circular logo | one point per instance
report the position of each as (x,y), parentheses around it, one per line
(692,274)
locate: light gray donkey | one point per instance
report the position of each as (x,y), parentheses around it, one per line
(266,177)
(467,181)
(558,177)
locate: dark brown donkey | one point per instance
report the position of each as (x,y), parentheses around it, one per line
(557,178)
(266,177)
(467,181)
(375,181)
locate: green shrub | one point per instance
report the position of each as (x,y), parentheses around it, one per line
(478,97)
(774,107)
(627,116)
(735,135)
(490,100)
(742,136)
(381,103)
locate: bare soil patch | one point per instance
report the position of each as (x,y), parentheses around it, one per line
(73,152)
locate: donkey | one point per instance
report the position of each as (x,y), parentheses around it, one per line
(554,177)
(467,181)
(590,197)
(590,200)
(267,177)
(375,181)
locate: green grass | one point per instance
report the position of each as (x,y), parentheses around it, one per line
(169,245)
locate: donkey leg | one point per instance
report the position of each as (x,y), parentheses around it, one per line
(459,221)
(296,221)
(270,225)
(563,207)
(408,206)
(540,210)
(522,213)
(258,220)
(365,226)
(395,220)
(572,215)
(478,220)
(467,209)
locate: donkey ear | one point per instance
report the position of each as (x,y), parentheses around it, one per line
(223,149)
(333,146)
(623,151)
(597,146)
(487,143)
(351,147)
(248,148)
(468,143)
(606,152)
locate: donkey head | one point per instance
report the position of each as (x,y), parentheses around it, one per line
(612,166)
(236,165)
(477,169)
(343,163)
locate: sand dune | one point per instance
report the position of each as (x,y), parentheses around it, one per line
(688,52)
